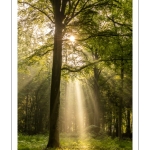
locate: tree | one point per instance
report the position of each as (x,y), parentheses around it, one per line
(62,14)
(62,17)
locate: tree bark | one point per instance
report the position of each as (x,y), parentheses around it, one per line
(116,127)
(96,92)
(26,117)
(120,103)
(128,131)
(55,81)
(96,100)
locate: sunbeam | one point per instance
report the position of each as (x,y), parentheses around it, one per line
(80,106)
(74,108)
(80,109)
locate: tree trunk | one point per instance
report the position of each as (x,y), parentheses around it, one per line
(26,117)
(128,131)
(55,84)
(120,103)
(120,121)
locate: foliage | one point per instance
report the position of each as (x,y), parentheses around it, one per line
(33,96)
(26,142)
(38,142)
(100,57)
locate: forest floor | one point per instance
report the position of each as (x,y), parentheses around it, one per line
(70,142)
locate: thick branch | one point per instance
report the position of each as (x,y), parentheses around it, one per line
(83,8)
(64,3)
(77,69)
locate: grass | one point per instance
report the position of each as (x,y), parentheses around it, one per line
(69,142)
(36,142)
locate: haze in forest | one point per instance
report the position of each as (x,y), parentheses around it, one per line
(75,69)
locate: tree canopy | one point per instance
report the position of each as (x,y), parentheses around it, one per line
(99,55)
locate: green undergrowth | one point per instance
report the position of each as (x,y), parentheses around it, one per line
(73,142)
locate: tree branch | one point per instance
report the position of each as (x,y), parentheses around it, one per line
(105,34)
(43,12)
(77,69)
(121,24)
(64,3)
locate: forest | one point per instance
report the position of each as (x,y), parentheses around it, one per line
(75,74)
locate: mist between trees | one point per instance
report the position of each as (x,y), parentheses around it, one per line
(75,68)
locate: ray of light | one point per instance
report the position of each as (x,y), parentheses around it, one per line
(69,109)
(80,107)
(75,118)
(93,102)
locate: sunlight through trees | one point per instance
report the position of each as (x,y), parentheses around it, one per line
(75,68)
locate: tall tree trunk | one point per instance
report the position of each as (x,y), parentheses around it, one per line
(96,92)
(55,82)
(116,127)
(128,131)
(120,120)
(120,102)
(26,117)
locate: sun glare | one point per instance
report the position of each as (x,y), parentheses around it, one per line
(72,38)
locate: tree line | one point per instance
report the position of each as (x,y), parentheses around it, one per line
(101,54)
